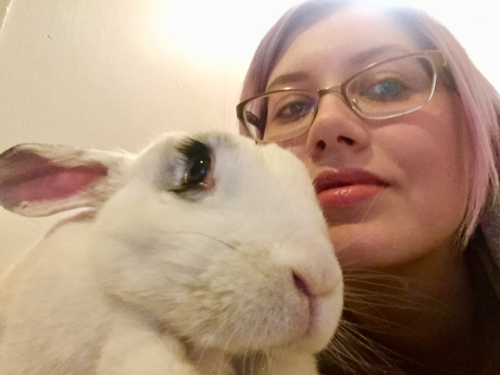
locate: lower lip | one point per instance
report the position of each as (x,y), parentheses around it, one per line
(347,196)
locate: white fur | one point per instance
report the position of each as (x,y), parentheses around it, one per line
(148,281)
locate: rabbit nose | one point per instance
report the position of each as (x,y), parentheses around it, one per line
(314,280)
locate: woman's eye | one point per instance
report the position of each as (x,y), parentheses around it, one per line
(294,110)
(384,90)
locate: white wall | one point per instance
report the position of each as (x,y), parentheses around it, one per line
(115,73)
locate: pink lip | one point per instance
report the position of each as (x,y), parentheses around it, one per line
(347,187)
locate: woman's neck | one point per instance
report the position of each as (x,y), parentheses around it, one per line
(429,315)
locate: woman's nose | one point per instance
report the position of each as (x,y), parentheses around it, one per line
(336,127)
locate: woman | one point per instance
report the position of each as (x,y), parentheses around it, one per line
(404,156)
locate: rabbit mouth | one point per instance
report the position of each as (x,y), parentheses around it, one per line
(312,307)
(312,325)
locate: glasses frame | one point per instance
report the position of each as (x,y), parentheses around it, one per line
(435,57)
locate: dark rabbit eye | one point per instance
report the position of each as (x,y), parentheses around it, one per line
(197,159)
(198,170)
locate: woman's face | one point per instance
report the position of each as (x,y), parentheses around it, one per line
(396,189)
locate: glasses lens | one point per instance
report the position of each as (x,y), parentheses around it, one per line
(281,115)
(392,88)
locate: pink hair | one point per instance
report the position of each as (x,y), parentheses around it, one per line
(481,101)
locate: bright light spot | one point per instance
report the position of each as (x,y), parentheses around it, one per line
(216,30)
(225,33)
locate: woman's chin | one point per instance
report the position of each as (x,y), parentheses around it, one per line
(365,247)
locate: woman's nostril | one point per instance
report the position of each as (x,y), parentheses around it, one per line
(300,284)
(346,140)
(321,145)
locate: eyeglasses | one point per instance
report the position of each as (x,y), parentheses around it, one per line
(383,90)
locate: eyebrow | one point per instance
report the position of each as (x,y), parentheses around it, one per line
(288,79)
(367,57)
(359,60)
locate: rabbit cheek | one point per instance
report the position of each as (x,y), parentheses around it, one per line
(248,303)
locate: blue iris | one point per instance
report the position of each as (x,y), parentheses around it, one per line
(385,90)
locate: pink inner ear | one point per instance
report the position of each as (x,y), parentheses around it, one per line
(54,184)
(60,183)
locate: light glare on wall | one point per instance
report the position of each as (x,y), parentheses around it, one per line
(213,31)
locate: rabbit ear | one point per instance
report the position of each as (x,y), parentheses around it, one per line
(41,180)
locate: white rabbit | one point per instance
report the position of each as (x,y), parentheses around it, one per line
(204,254)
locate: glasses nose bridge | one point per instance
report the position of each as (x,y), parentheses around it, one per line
(337,89)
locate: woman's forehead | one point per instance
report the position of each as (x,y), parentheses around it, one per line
(344,42)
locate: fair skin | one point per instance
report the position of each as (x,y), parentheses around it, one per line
(408,228)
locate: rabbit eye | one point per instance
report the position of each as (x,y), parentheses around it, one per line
(198,170)
(197,159)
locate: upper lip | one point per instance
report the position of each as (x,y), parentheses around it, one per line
(344,177)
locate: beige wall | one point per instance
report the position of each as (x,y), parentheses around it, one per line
(95,73)
(115,73)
